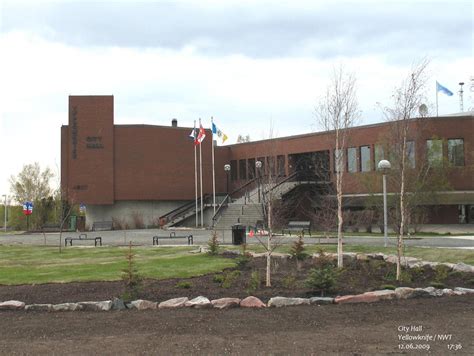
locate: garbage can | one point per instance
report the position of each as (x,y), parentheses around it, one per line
(238,234)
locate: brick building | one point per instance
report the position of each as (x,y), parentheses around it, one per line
(147,171)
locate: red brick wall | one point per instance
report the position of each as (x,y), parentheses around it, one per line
(90,155)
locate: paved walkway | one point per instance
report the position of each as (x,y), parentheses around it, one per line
(201,237)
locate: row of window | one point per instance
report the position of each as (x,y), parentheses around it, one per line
(434,155)
(246,169)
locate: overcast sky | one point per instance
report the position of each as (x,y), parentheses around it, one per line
(249,64)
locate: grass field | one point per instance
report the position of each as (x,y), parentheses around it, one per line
(37,264)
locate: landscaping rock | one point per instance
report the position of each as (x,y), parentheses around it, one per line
(429,264)
(281,255)
(350,256)
(321,300)
(286,302)
(141,304)
(362,257)
(39,307)
(408,293)
(173,303)
(198,303)
(368,297)
(257,255)
(449,265)
(204,249)
(118,304)
(433,292)
(464,290)
(67,307)
(462,267)
(421,293)
(447,292)
(384,294)
(12,305)
(376,256)
(252,302)
(359,298)
(225,303)
(404,292)
(390,258)
(96,306)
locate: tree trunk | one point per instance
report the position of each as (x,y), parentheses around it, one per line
(268,282)
(402,209)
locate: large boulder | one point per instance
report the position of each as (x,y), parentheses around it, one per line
(462,267)
(39,307)
(404,292)
(464,290)
(173,303)
(368,297)
(225,303)
(321,300)
(286,302)
(142,304)
(96,306)
(252,302)
(118,304)
(12,305)
(408,293)
(67,307)
(198,303)
(376,256)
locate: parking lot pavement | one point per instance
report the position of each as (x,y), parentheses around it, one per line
(201,237)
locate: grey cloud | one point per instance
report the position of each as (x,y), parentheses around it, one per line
(257,31)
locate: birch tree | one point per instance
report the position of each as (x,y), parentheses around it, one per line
(337,111)
(407,99)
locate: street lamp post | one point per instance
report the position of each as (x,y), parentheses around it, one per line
(384,166)
(258,165)
(227,170)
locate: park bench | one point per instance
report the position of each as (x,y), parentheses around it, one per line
(299,227)
(83,237)
(173,236)
(102,225)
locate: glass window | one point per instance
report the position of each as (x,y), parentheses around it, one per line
(251,168)
(352,159)
(411,154)
(281,166)
(365,165)
(456,151)
(434,152)
(379,154)
(339,160)
(243,169)
(233,170)
(271,166)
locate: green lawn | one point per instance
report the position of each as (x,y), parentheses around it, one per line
(36,264)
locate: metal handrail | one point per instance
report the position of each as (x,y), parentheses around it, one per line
(227,197)
(170,216)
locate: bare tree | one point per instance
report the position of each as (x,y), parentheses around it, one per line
(337,111)
(407,99)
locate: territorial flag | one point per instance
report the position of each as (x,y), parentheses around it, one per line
(219,133)
(201,135)
(194,134)
(443,89)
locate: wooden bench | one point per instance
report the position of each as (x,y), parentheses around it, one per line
(102,225)
(173,236)
(83,237)
(299,227)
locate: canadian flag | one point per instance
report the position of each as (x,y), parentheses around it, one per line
(201,135)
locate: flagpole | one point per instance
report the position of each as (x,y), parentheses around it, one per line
(437,99)
(195,175)
(200,172)
(213,170)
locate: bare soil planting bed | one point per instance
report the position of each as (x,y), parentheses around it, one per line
(347,329)
(287,280)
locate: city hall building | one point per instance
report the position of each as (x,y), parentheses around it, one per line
(146,173)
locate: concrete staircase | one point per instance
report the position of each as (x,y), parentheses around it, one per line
(247,214)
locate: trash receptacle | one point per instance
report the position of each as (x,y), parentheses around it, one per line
(238,234)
